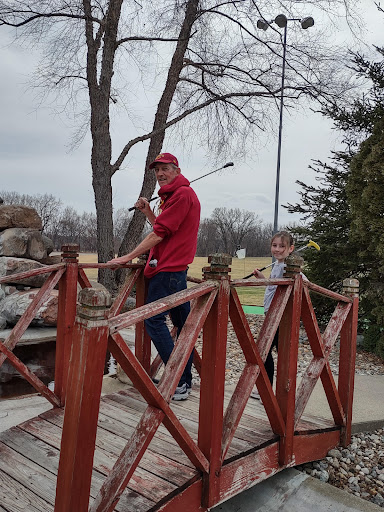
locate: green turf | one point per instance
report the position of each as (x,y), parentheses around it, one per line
(253,310)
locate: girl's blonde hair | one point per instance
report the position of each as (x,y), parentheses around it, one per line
(284,235)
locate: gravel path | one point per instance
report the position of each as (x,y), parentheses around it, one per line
(357,469)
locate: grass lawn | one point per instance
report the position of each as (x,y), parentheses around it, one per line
(239,269)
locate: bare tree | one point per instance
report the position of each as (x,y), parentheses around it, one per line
(88,240)
(233,226)
(208,241)
(220,74)
(121,220)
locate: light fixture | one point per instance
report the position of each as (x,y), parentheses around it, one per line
(262,24)
(307,22)
(281,20)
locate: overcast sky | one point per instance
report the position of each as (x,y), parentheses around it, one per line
(34,156)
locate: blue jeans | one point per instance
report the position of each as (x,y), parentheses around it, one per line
(161,285)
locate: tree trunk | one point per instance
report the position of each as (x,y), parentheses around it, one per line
(99,96)
(103,200)
(136,225)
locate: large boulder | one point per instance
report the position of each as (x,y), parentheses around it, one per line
(17,216)
(51,260)
(13,306)
(48,244)
(24,243)
(10,266)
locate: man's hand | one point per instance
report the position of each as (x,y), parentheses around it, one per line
(149,241)
(142,204)
(120,260)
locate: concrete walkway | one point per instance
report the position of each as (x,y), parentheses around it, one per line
(288,491)
(294,491)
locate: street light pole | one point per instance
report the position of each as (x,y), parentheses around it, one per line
(282,21)
(277,190)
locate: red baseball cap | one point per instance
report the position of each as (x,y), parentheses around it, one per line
(164,158)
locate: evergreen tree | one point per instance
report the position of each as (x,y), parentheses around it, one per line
(357,119)
(344,214)
(365,192)
(326,214)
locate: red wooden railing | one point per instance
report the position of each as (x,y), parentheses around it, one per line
(83,339)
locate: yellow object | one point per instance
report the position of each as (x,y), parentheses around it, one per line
(313,244)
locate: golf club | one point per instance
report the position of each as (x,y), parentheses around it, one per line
(311,243)
(229,164)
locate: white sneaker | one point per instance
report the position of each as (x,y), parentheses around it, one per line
(181,392)
(255,394)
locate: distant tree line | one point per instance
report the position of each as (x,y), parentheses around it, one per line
(228,229)
(224,231)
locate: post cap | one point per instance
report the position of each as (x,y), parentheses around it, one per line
(351,287)
(294,264)
(94,303)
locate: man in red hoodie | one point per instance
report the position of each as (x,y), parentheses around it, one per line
(172,246)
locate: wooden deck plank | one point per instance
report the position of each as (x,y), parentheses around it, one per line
(29,474)
(156,487)
(29,453)
(46,456)
(162,444)
(16,498)
(130,398)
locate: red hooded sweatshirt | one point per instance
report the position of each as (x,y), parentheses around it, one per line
(177,225)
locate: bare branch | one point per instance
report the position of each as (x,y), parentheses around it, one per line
(143,38)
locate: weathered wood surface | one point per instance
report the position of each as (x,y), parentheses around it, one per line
(31,273)
(29,454)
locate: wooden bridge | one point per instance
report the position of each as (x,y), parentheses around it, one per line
(138,451)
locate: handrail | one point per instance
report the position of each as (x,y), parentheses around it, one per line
(159,306)
(108,265)
(31,273)
(328,293)
(261,282)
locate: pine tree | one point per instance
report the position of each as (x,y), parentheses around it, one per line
(344,214)
(327,219)
(365,193)
(357,119)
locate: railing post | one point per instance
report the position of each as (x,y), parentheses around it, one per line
(142,340)
(66,317)
(213,377)
(347,358)
(289,330)
(90,339)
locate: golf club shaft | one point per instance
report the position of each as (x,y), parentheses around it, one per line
(228,164)
(273,262)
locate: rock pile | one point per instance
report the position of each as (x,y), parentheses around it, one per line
(23,247)
(357,469)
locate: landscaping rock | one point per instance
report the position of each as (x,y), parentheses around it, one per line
(9,266)
(17,216)
(13,306)
(24,243)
